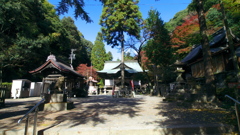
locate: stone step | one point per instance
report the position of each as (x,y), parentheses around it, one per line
(204,129)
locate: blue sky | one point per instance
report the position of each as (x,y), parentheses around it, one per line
(167,9)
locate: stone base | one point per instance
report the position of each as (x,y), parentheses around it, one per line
(55,98)
(57,106)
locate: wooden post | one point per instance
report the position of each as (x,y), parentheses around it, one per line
(35,121)
(26,126)
(237,114)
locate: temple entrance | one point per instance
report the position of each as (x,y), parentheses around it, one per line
(112,74)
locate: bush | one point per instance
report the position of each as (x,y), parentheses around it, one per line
(221,92)
(9,85)
(8,89)
(101,84)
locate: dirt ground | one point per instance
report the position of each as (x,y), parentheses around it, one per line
(103,111)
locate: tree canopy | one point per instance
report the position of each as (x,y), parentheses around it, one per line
(158,49)
(98,53)
(29,32)
(119,17)
(184,26)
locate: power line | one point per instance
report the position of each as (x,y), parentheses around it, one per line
(138,4)
(164,4)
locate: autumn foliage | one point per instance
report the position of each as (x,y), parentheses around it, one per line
(144,60)
(87,71)
(181,35)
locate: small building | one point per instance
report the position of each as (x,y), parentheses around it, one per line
(20,88)
(59,82)
(58,77)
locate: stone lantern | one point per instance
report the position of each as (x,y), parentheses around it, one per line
(179,70)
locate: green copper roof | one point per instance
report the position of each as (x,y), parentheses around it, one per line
(112,67)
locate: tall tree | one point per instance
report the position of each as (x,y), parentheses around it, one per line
(176,20)
(119,18)
(27,27)
(73,39)
(186,34)
(24,29)
(87,45)
(109,55)
(231,45)
(78,5)
(98,54)
(210,87)
(127,56)
(201,7)
(158,49)
(69,39)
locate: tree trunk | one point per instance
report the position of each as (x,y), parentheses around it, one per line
(0,76)
(231,45)
(210,88)
(1,73)
(122,62)
(156,88)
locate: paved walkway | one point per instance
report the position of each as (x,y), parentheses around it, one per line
(104,115)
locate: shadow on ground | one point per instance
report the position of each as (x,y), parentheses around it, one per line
(182,120)
(99,110)
(93,111)
(13,111)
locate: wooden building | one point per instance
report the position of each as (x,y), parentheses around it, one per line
(221,58)
(58,77)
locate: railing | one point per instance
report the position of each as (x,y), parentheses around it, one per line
(236,109)
(35,108)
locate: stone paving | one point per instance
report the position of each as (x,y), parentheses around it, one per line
(104,115)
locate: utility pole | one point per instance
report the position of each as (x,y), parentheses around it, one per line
(72,57)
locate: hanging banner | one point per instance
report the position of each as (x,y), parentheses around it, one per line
(132,84)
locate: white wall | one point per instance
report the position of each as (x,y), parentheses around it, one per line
(17,90)
(109,82)
(35,89)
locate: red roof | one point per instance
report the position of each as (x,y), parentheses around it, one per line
(55,64)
